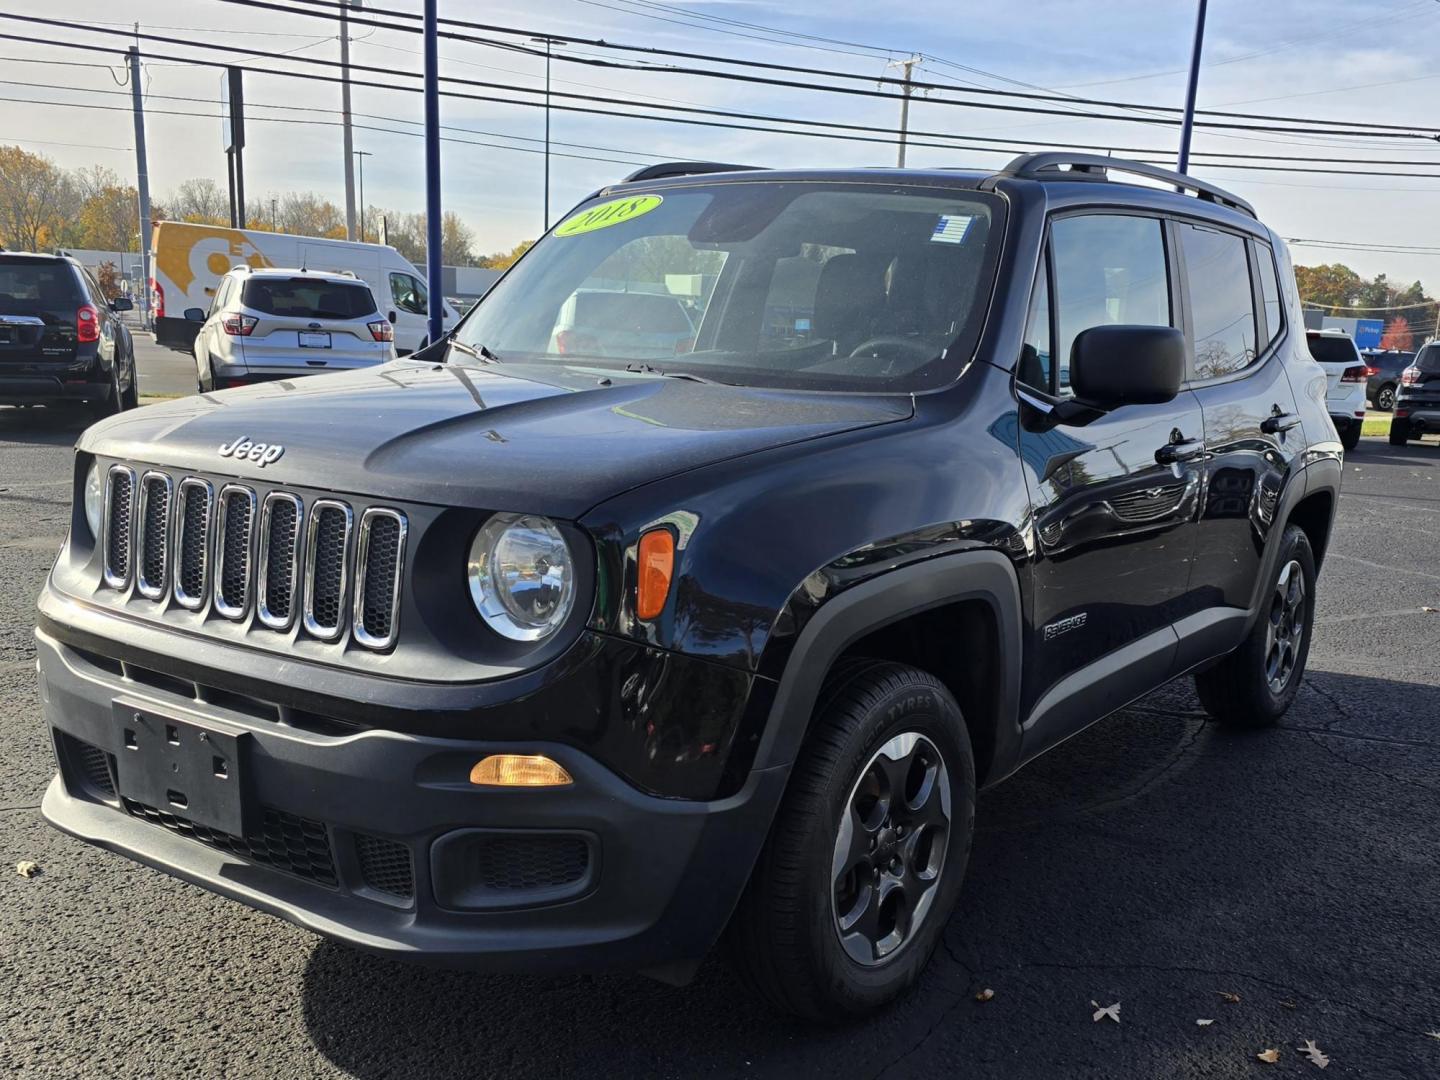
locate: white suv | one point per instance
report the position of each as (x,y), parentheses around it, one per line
(277,324)
(1346,376)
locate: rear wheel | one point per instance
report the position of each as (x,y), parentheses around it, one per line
(867,852)
(130,399)
(1399,433)
(1385,398)
(1255,684)
(111,403)
(1351,437)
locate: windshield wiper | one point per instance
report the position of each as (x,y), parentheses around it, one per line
(646,369)
(479,352)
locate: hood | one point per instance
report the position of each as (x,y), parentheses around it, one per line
(532,439)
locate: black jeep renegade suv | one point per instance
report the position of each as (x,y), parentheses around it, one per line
(599,629)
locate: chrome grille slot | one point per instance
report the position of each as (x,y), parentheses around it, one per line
(234,551)
(379,556)
(118,526)
(153,560)
(195,501)
(281,545)
(327,547)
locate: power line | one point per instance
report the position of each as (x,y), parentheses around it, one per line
(330,5)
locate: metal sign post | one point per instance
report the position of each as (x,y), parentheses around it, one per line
(1189,122)
(432,172)
(232,106)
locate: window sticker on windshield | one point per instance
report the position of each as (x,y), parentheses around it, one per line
(951,228)
(614,212)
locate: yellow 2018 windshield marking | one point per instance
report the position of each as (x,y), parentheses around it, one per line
(614,212)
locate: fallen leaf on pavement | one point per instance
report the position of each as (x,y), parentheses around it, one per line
(1270,1056)
(1229,998)
(1287,1004)
(985,995)
(1430,610)
(1102,1011)
(1204,1023)
(1313,1052)
(1433,1034)
(27,869)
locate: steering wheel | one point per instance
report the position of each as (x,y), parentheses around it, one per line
(869,346)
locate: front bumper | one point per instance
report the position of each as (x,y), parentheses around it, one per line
(375,838)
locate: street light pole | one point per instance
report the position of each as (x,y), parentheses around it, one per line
(433,280)
(1188,124)
(347,136)
(362,155)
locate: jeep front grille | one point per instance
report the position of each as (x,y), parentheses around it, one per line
(118,525)
(238,555)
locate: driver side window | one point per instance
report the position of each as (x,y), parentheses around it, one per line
(409,294)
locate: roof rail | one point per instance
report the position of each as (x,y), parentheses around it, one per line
(666,169)
(1046,166)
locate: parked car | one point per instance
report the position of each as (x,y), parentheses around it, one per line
(1382,371)
(501,657)
(1417,402)
(279,324)
(191,259)
(61,341)
(1346,376)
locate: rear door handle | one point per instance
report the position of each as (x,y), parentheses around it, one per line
(1185,450)
(1273,425)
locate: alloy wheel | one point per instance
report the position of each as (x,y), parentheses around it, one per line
(1385,400)
(1285,627)
(890,848)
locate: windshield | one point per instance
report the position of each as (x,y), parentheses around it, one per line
(308,298)
(809,285)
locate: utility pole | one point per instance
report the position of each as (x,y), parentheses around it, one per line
(274,216)
(1188,124)
(362,155)
(142,181)
(345,119)
(909,66)
(432,171)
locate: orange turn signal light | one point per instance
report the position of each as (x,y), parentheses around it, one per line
(519,770)
(656,560)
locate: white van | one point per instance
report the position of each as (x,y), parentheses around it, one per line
(191,259)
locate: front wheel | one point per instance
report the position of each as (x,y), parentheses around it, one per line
(868,850)
(1255,684)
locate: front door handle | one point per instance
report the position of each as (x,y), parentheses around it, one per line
(1278,422)
(1183,450)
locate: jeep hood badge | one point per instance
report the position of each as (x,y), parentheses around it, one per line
(242,449)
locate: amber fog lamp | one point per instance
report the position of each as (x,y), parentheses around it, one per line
(656,562)
(519,770)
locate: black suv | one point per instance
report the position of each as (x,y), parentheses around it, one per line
(521,654)
(1382,375)
(1417,400)
(60,339)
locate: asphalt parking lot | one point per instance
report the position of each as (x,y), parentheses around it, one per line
(1154,861)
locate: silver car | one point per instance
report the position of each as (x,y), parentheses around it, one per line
(278,324)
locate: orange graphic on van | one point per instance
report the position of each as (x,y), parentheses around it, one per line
(190,251)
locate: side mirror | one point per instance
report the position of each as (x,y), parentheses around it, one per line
(195,314)
(122,303)
(1112,366)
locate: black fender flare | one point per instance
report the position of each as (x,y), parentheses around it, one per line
(1320,475)
(987,575)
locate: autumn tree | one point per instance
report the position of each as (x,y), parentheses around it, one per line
(1397,334)
(107,276)
(503,260)
(33,192)
(110,219)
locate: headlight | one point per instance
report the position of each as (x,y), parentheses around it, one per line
(522,577)
(94,499)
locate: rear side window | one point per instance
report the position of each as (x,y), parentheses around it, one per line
(1429,359)
(308,298)
(1109,269)
(1222,303)
(1269,292)
(29,286)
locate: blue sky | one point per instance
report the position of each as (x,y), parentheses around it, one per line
(1320,58)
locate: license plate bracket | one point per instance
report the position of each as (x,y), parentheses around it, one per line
(194,771)
(310,340)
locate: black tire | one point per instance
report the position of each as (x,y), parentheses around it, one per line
(130,399)
(1351,437)
(1385,398)
(785,936)
(1399,433)
(207,380)
(1241,691)
(112,402)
